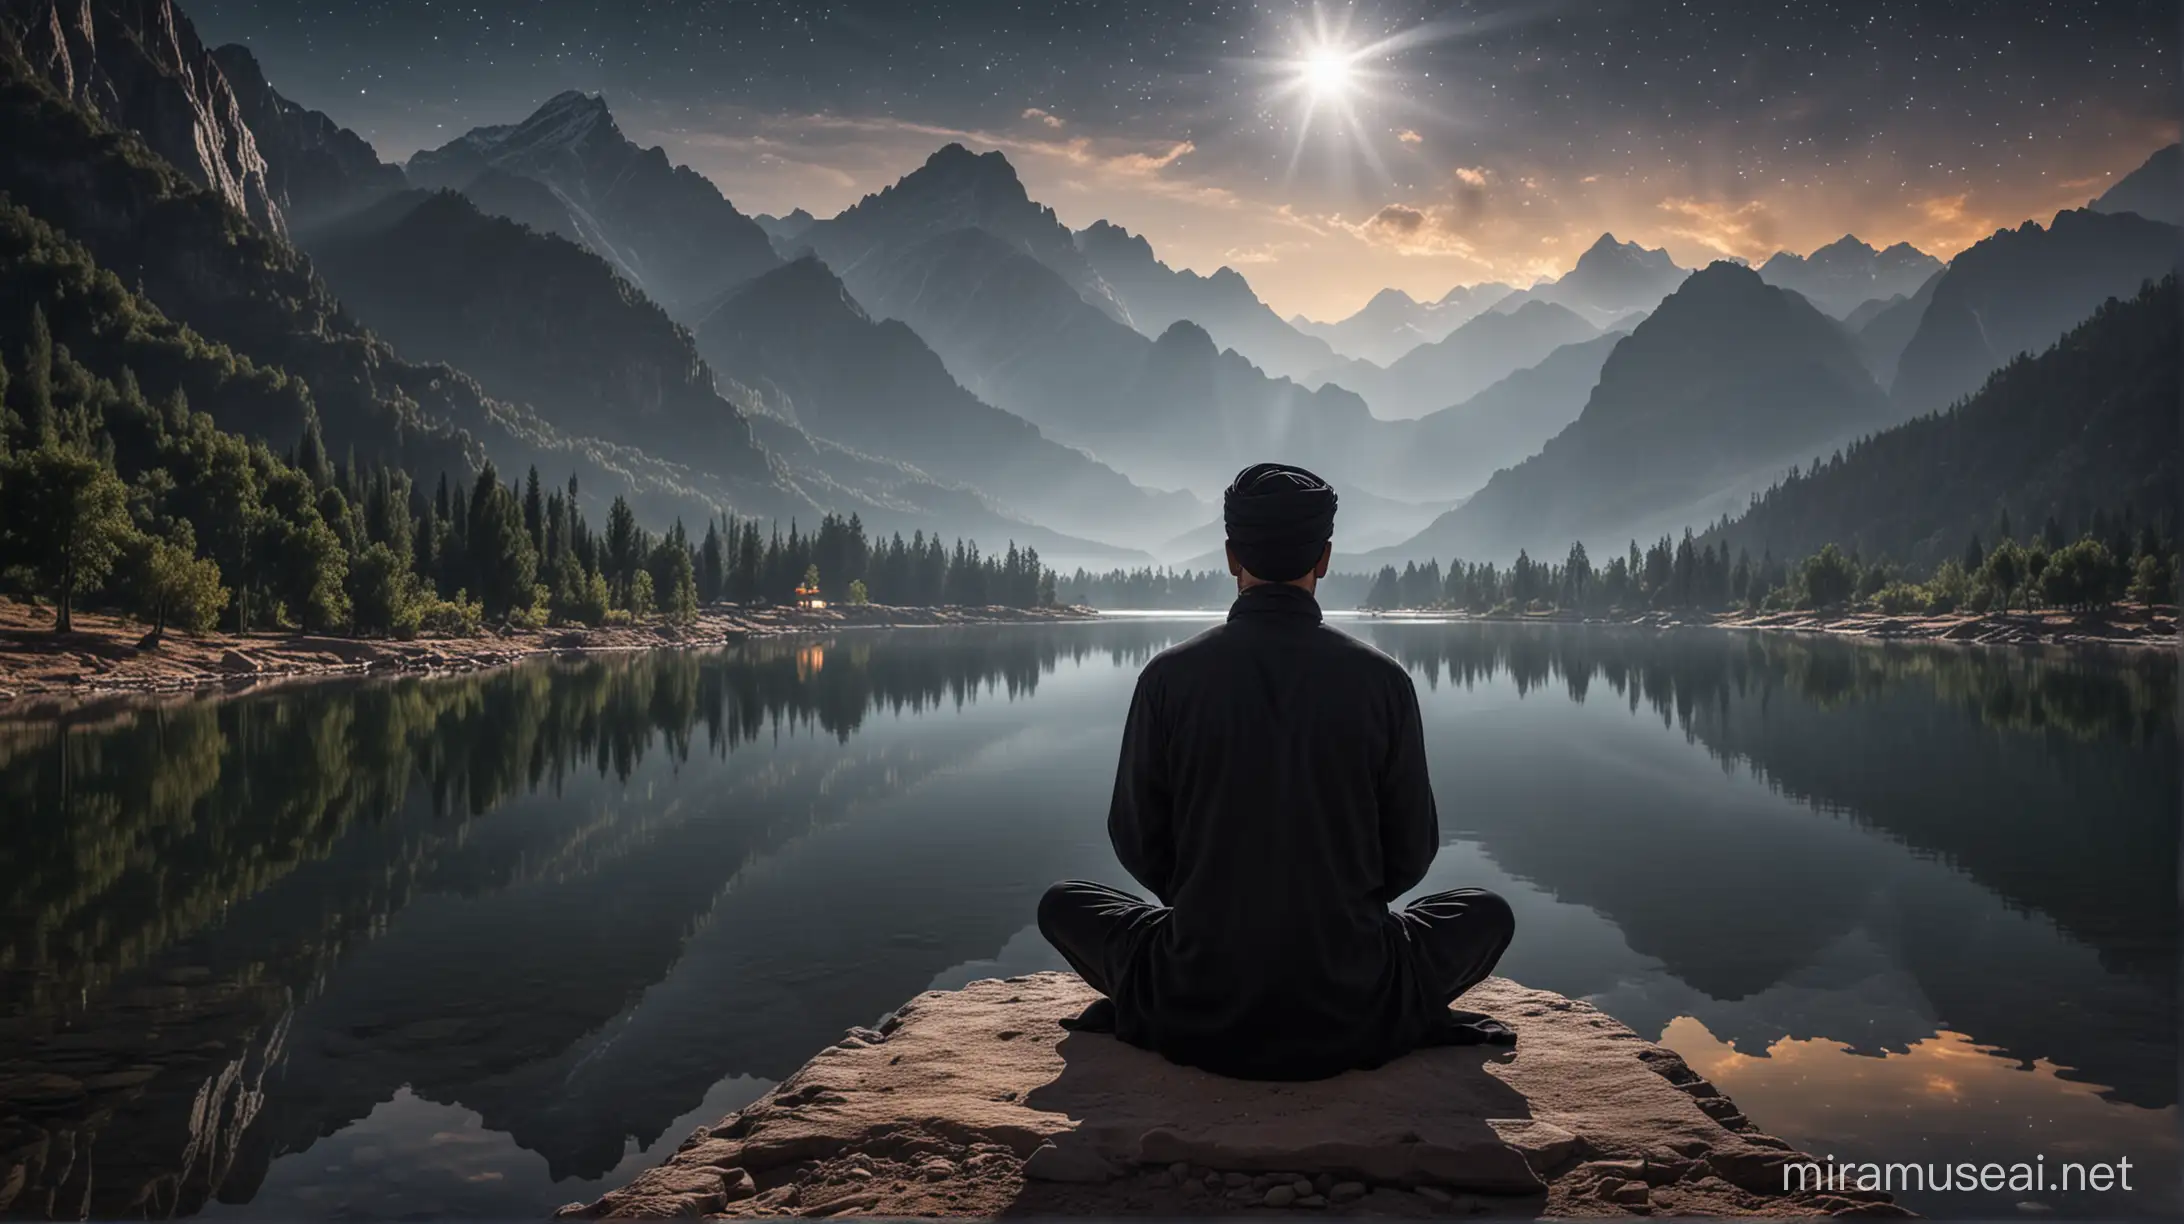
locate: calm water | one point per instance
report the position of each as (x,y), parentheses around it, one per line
(483,945)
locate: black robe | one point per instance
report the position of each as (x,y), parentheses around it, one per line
(1272,793)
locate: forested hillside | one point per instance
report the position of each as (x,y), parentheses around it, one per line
(2090,424)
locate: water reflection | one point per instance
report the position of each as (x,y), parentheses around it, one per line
(477,943)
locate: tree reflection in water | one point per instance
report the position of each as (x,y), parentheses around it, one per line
(180,877)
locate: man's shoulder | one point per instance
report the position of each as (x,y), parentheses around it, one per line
(1360,653)
(1325,640)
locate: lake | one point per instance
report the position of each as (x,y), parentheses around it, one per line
(482,945)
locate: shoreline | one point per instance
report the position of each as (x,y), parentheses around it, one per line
(101,659)
(2135,626)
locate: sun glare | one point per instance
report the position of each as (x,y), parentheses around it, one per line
(1327,72)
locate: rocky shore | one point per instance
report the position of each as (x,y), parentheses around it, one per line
(977,1103)
(102,657)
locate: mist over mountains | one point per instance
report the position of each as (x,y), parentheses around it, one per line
(665,227)
(948,355)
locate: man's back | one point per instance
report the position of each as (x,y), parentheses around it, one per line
(1273,793)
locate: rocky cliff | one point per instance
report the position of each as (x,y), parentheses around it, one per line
(976,1102)
(139,65)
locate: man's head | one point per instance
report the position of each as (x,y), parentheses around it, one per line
(1280,520)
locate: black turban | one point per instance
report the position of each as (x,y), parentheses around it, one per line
(1279,519)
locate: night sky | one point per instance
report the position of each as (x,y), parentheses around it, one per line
(1445,142)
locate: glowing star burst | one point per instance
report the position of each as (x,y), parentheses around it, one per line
(1344,87)
(1326,72)
(1333,75)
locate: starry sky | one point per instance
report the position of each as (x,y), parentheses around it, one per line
(1450,142)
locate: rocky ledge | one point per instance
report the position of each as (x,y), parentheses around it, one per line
(976,1102)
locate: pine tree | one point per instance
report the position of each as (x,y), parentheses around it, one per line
(34,390)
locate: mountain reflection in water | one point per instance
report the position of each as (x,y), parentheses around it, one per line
(477,945)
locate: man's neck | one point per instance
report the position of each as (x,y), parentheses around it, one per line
(1309,584)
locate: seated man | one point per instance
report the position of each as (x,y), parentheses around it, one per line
(1272,794)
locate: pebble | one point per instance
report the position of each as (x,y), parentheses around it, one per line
(1343,1192)
(1280,1196)
(1235,1181)
(1312,1200)
(1194,1189)
(1434,1194)
(1323,1183)
(1179,1170)
(1301,1186)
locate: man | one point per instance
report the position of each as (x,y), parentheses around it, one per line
(1272,794)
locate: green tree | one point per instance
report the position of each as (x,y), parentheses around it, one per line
(33,391)
(2153,579)
(640,596)
(172,583)
(385,594)
(590,607)
(1829,577)
(2003,570)
(679,592)
(310,570)
(623,551)
(66,518)
(2080,575)
(502,559)
(858,596)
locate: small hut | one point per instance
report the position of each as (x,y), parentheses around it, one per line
(807,596)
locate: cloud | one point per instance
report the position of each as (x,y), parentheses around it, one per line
(1046,117)
(1951,223)
(1746,231)
(1474,175)
(1263,253)
(1151,163)
(1411,230)
(1410,137)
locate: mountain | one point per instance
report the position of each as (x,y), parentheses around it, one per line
(1193,414)
(1176,411)
(1729,381)
(890,495)
(2090,424)
(1846,272)
(874,386)
(537,320)
(1009,328)
(2155,190)
(1865,312)
(784,231)
(209,267)
(315,169)
(527,202)
(1393,323)
(2018,291)
(1465,362)
(139,65)
(957,189)
(664,226)
(1884,330)
(1156,296)
(1460,447)
(1609,280)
